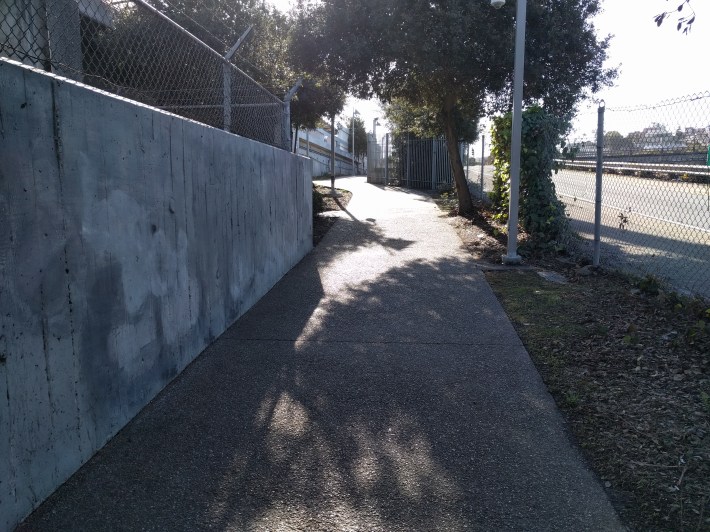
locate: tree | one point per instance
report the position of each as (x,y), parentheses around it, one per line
(360,137)
(686,17)
(616,144)
(421,121)
(219,23)
(313,101)
(451,57)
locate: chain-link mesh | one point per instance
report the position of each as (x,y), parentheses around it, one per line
(655,192)
(130,49)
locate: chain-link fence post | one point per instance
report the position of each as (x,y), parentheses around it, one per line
(387,158)
(286,126)
(64,47)
(133,49)
(227,79)
(598,190)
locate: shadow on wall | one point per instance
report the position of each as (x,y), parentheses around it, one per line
(307,414)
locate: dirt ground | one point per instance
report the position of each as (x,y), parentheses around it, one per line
(323,203)
(629,366)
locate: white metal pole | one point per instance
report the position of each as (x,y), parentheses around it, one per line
(227,80)
(387,157)
(352,153)
(483,158)
(332,155)
(512,256)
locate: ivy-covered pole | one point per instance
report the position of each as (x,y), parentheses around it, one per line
(512,256)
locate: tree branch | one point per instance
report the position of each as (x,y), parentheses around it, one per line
(685,22)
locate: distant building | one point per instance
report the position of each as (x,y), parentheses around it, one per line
(315,143)
(697,138)
(658,138)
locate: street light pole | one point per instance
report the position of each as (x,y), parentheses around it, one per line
(512,256)
(353,136)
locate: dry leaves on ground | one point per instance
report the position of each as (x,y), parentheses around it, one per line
(629,369)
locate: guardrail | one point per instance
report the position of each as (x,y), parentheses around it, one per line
(669,170)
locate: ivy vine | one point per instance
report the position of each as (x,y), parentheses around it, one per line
(542,214)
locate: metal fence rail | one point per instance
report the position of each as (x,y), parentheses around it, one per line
(131,49)
(655,209)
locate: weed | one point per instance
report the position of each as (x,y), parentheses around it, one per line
(697,330)
(705,398)
(650,285)
(571,399)
(601,330)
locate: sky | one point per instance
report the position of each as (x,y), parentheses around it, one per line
(655,63)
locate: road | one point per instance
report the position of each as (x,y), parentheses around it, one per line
(648,226)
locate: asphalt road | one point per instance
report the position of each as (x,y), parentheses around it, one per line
(649,226)
(687,204)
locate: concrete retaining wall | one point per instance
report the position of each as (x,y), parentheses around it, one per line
(129,239)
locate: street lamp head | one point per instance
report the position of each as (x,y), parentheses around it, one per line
(497,3)
(356,112)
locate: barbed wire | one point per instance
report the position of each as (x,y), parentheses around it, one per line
(661,104)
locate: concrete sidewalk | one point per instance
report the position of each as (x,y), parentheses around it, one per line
(378,386)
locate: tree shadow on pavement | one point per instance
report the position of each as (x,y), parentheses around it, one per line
(404,403)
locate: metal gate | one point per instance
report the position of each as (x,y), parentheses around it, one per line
(410,162)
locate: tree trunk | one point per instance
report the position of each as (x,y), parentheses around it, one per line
(452,144)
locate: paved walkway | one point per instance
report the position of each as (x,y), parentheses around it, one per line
(378,386)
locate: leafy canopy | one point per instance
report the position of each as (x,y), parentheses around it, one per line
(452,59)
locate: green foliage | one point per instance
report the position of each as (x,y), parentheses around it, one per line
(542,214)
(219,23)
(650,285)
(313,101)
(571,399)
(446,59)
(705,398)
(422,121)
(360,136)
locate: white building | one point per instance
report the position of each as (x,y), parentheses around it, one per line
(315,143)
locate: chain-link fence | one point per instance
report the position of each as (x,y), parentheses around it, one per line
(131,49)
(400,160)
(655,190)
